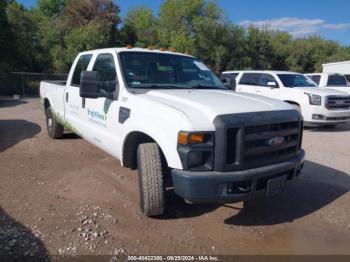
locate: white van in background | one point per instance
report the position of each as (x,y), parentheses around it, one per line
(330,81)
(318,106)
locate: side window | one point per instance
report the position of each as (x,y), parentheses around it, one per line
(82,65)
(250,79)
(224,77)
(105,65)
(316,79)
(265,78)
(336,80)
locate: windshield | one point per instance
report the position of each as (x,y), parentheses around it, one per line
(296,80)
(166,71)
(337,80)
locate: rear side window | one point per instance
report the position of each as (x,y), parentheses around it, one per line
(231,76)
(315,78)
(250,79)
(336,80)
(265,79)
(82,65)
(105,65)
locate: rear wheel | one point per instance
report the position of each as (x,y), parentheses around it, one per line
(54,129)
(151,179)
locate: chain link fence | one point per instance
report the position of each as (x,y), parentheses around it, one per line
(24,83)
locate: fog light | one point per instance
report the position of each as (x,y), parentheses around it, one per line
(318,117)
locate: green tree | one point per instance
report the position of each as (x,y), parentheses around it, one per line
(5,38)
(259,48)
(51,7)
(82,25)
(28,53)
(143,24)
(176,22)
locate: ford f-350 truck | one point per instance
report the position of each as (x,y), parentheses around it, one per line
(167,115)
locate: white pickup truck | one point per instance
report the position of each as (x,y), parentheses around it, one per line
(167,115)
(330,81)
(318,106)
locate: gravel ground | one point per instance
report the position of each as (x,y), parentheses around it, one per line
(68,197)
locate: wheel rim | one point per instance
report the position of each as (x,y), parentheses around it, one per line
(49,122)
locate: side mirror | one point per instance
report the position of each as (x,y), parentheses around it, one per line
(92,87)
(230,83)
(90,84)
(272,84)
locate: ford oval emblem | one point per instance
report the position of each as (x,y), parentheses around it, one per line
(276,141)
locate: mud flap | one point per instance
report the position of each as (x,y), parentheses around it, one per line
(276,185)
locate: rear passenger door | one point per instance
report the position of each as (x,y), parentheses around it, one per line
(267,86)
(74,114)
(248,83)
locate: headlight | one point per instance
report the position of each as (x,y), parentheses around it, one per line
(196,150)
(314,99)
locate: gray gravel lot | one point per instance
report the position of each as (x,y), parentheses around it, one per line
(68,197)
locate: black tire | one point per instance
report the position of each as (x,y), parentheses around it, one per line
(151,185)
(54,129)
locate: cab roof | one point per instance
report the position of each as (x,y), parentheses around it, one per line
(259,71)
(134,49)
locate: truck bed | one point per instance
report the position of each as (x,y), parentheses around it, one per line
(56,82)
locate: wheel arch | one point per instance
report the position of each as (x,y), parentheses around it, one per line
(131,142)
(292,102)
(46,103)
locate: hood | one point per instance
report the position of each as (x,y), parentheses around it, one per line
(202,106)
(320,91)
(345,89)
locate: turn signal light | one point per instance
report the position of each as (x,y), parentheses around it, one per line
(129,46)
(196,138)
(185,138)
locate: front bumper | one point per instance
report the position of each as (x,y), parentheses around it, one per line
(212,186)
(323,116)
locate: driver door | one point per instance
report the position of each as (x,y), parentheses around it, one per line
(102,113)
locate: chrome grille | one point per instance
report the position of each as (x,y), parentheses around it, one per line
(338,102)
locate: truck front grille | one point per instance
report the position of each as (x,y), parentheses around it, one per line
(251,140)
(258,147)
(338,102)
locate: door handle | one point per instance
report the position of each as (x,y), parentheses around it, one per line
(258,91)
(66,97)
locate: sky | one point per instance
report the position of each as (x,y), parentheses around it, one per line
(327,18)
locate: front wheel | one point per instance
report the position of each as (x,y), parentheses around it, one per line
(54,129)
(151,179)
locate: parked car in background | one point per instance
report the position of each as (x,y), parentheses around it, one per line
(318,106)
(167,115)
(342,68)
(330,81)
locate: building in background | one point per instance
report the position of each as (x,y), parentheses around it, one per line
(339,68)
